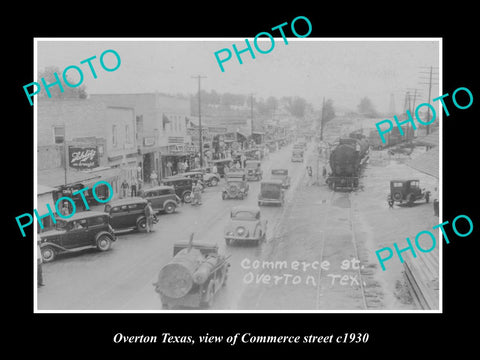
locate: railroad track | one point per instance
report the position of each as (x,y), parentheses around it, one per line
(339,244)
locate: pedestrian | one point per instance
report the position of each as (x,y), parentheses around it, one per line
(310,175)
(154,177)
(169,168)
(215,169)
(124,186)
(185,166)
(65,210)
(39,266)
(149,216)
(133,187)
(197,193)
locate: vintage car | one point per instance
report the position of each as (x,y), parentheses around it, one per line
(194,175)
(84,230)
(407,191)
(297,155)
(127,214)
(193,277)
(182,186)
(245,225)
(236,185)
(281,174)
(209,178)
(253,169)
(271,192)
(163,198)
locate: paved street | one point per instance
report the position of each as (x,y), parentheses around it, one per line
(121,279)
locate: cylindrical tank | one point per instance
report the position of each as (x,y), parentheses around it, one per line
(175,279)
(204,270)
(344,160)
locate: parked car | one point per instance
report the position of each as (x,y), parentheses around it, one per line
(407,191)
(254,170)
(84,230)
(245,225)
(127,214)
(281,174)
(236,185)
(182,186)
(163,198)
(271,192)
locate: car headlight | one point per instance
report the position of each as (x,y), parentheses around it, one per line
(241,231)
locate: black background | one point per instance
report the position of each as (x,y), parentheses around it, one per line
(407,335)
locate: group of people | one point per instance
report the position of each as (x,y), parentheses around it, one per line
(133,186)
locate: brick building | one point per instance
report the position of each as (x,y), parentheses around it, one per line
(161,129)
(82,141)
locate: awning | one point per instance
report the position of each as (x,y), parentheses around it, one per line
(56,177)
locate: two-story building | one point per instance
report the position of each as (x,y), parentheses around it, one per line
(160,129)
(82,141)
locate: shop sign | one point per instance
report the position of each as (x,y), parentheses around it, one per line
(83,157)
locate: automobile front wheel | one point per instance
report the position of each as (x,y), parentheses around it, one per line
(170,208)
(48,254)
(104,243)
(187,197)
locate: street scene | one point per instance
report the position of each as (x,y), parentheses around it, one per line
(197,192)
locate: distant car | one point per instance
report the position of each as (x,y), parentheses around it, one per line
(407,191)
(254,170)
(163,198)
(182,186)
(236,185)
(281,174)
(84,230)
(271,192)
(297,155)
(245,225)
(127,214)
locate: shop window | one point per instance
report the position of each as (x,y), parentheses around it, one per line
(59,134)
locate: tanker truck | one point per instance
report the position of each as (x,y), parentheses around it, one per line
(194,275)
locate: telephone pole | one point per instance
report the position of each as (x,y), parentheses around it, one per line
(200,135)
(430,83)
(251,112)
(322,121)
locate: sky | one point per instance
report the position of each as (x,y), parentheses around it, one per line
(313,68)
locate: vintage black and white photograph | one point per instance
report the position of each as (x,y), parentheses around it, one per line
(238,175)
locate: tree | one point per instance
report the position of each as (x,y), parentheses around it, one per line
(329,111)
(296,106)
(366,107)
(68,92)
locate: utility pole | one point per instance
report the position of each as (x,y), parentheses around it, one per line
(412,110)
(322,121)
(200,135)
(430,83)
(251,112)
(65,150)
